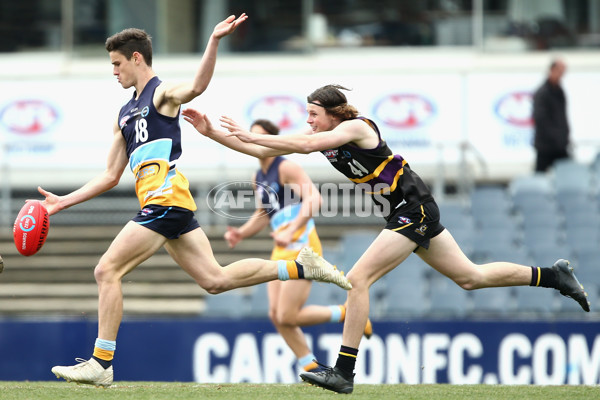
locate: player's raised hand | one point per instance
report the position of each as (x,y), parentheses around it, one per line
(283,237)
(229,25)
(235,129)
(232,236)
(198,120)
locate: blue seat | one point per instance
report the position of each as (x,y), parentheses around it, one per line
(334,256)
(578,218)
(452,207)
(232,304)
(489,243)
(258,301)
(492,237)
(514,254)
(587,267)
(546,256)
(536,203)
(536,183)
(536,300)
(487,200)
(465,237)
(324,294)
(533,192)
(447,298)
(542,219)
(412,271)
(496,221)
(577,201)
(572,176)
(535,237)
(354,244)
(580,238)
(498,301)
(408,300)
(454,221)
(589,258)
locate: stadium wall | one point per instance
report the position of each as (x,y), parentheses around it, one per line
(412,352)
(447,111)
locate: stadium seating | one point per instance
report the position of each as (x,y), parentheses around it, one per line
(258,301)
(232,304)
(354,243)
(570,176)
(448,300)
(492,302)
(536,300)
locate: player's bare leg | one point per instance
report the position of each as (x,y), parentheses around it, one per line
(387,251)
(132,246)
(286,300)
(445,255)
(192,251)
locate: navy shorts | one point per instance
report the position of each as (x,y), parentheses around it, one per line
(419,224)
(169,221)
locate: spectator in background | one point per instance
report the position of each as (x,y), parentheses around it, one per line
(551,140)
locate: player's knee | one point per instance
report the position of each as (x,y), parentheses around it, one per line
(273,311)
(215,286)
(358,284)
(103,273)
(466,282)
(284,318)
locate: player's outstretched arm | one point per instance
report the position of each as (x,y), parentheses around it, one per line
(256,223)
(203,125)
(186,92)
(346,132)
(116,163)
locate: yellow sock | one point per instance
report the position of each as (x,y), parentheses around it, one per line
(310,366)
(106,355)
(343,316)
(292,269)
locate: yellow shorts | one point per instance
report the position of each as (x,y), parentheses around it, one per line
(290,254)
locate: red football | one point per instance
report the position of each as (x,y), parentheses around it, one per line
(31,228)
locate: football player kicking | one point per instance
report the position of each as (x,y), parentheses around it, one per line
(147,137)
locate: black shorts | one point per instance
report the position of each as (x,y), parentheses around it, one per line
(171,222)
(419,224)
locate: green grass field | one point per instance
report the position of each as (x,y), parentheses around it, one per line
(177,390)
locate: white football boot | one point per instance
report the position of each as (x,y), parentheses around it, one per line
(317,269)
(89,372)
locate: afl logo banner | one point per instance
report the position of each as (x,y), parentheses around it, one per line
(231,199)
(28,117)
(286,111)
(404,110)
(515,109)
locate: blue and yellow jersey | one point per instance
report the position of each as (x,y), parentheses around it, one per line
(384,175)
(153,145)
(283,209)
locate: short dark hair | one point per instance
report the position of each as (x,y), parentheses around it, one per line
(333,101)
(129,41)
(267,125)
